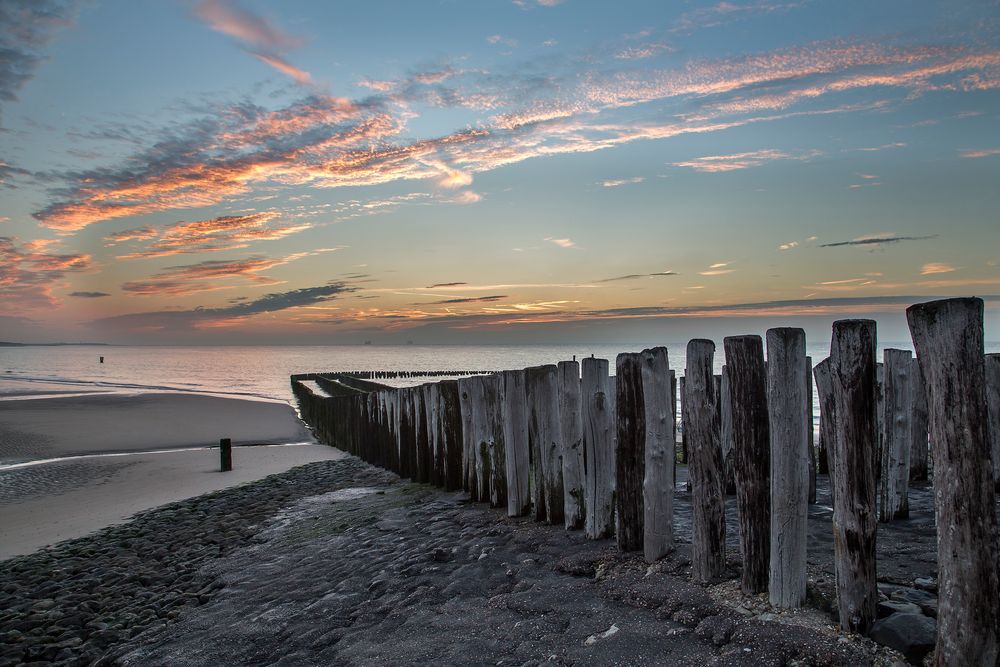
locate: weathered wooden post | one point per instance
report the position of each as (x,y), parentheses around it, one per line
(751,457)
(918,426)
(896,436)
(879,416)
(684,439)
(432,409)
(673,405)
(992,375)
(571,429)
(787,404)
(514,413)
(811,448)
(452,438)
(630,452)
(225,455)
(598,449)
(948,338)
(542,392)
(496,444)
(726,430)
(658,483)
(824,390)
(467,397)
(701,420)
(852,374)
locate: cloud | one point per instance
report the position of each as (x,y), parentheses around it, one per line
(643,51)
(258,36)
(467,197)
(633,276)
(789,245)
(88,295)
(472,299)
(979,152)
(26,27)
(9,172)
(562,243)
(622,181)
(219,316)
(222,233)
(28,275)
(936,267)
(880,239)
(437,285)
(718,163)
(727,12)
(208,276)
(501,40)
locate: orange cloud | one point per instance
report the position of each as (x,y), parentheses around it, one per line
(28,276)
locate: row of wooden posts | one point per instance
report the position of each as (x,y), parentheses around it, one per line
(568,444)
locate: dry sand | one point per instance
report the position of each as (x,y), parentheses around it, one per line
(47,502)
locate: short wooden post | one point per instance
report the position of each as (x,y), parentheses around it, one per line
(811,432)
(948,338)
(571,429)
(852,374)
(542,390)
(701,420)
(225,455)
(658,483)
(992,375)
(896,436)
(918,426)
(599,472)
(751,457)
(514,413)
(787,405)
(629,454)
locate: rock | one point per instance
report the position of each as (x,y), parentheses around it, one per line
(911,634)
(911,595)
(593,639)
(889,607)
(929,607)
(925,584)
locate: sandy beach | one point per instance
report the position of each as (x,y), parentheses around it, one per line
(121,454)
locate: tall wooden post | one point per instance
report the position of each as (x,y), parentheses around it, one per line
(467,392)
(726,428)
(684,439)
(948,338)
(571,429)
(787,405)
(824,391)
(852,372)
(514,413)
(673,406)
(542,391)
(918,429)
(751,457)
(495,443)
(896,436)
(811,431)
(450,415)
(658,483)
(701,419)
(629,454)
(599,472)
(992,375)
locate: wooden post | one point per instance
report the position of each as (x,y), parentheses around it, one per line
(542,390)
(496,453)
(824,390)
(598,449)
(701,420)
(787,370)
(629,453)
(658,483)
(452,438)
(673,405)
(514,413)
(751,457)
(466,392)
(226,454)
(684,438)
(948,338)
(432,408)
(811,449)
(992,375)
(879,416)
(896,436)
(571,428)
(726,429)
(482,438)
(852,374)
(918,426)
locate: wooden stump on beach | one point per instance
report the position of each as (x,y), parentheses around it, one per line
(452,438)
(752,456)
(992,375)
(629,454)
(948,338)
(467,390)
(599,472)
(824,390)
(544,440)
(658,482)
(896,436)
(810,432)
(495,442)
(853,379)
(919,424)
(787,405)
(514,412)
(701,420)
(225,455)
(571,430)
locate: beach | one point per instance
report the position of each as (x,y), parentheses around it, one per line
(72,464)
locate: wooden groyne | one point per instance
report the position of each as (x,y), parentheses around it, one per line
(574,446)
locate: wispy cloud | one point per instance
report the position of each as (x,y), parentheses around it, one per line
(88,295)
(789,245)
(562,243)
(258,36)
(472,299)
(936,267)
(644,51)
(979,152)
(877,239)
(26,27)
(726,12)
(718,163)
(634,276)
(615,183)
(29,274)
(438,285)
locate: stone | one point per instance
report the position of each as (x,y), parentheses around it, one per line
(925,584)
(890,607)
(913,635)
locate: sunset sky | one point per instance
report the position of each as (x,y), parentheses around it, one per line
(490,170)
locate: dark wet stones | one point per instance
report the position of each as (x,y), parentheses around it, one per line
(911,634)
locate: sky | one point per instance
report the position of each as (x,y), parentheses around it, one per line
(463,171)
